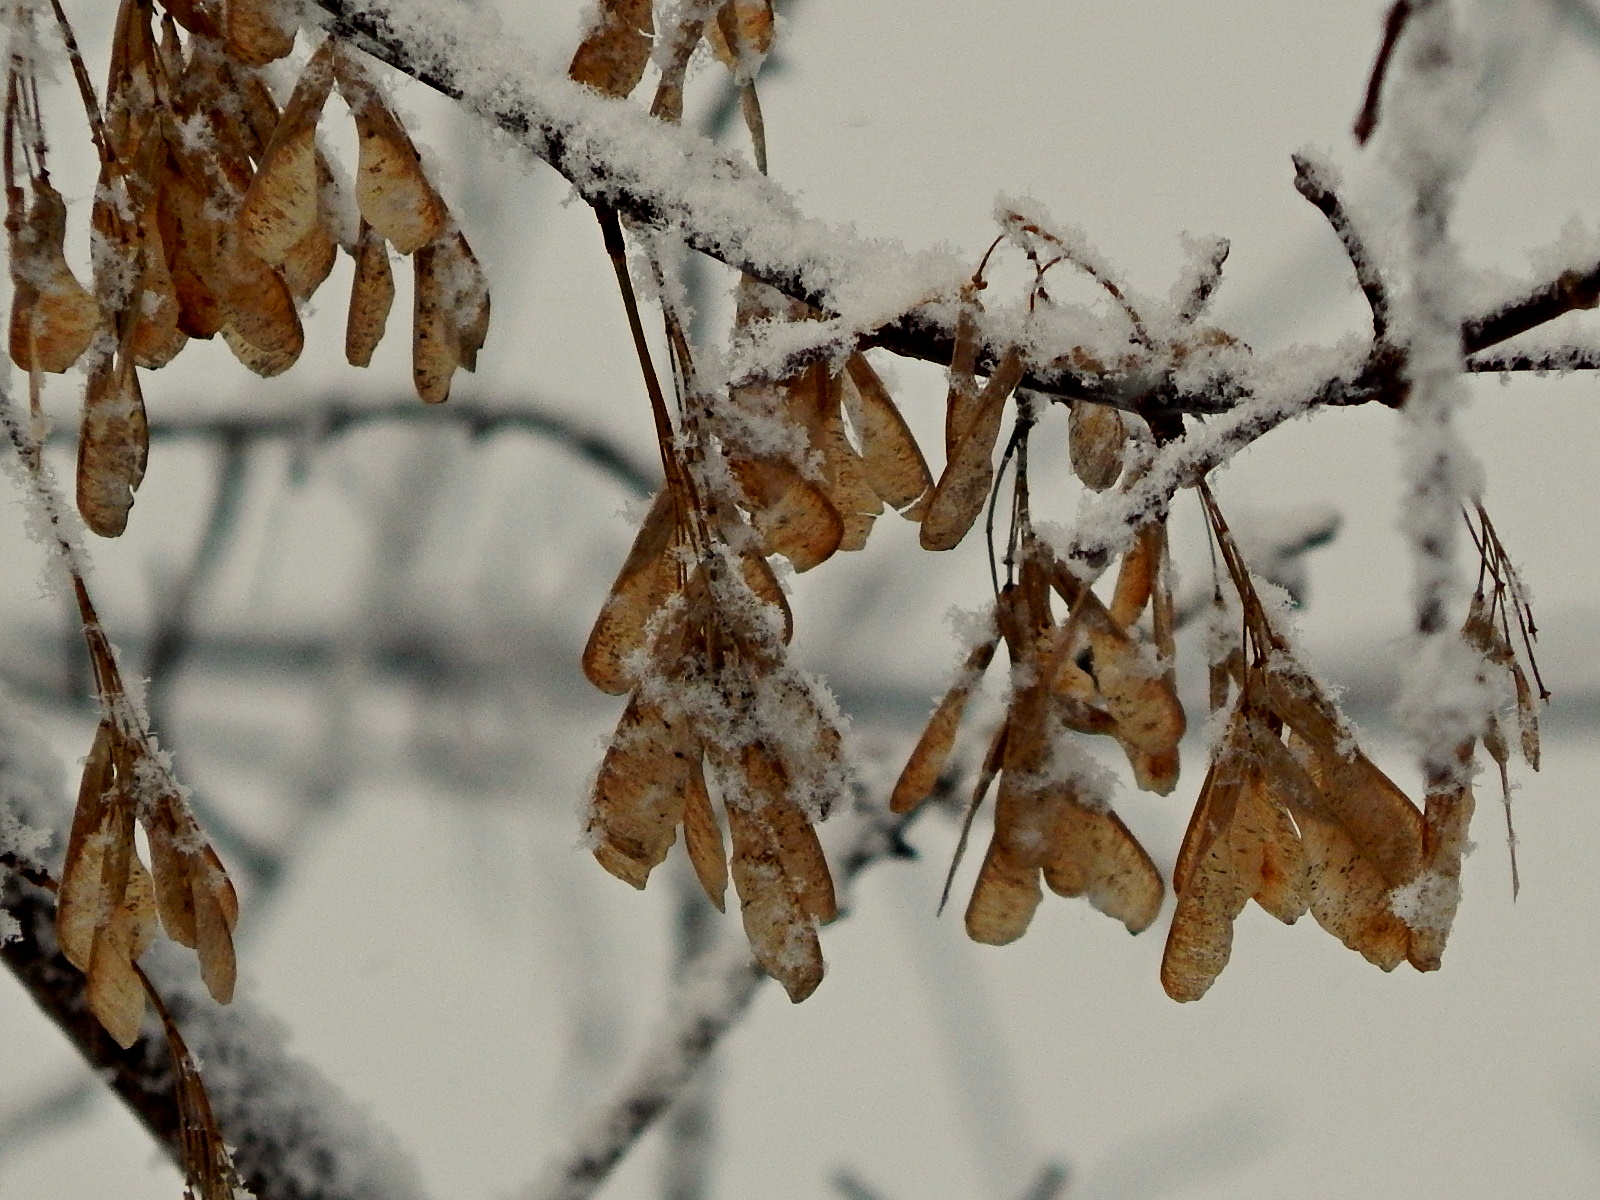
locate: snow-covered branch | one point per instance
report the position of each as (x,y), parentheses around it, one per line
(294,1137)
(882,293)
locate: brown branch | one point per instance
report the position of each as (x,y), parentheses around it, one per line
(279,1115)
(1571,290)
(1311,181)
(1393,26)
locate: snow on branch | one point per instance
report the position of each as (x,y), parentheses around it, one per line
(880,292)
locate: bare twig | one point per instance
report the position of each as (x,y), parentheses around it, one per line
(1393,26)
(1311,181)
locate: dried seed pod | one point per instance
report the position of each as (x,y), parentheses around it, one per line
(262,326)
(284,200)
(257,31)
(649,576)
(742,35)
(794,516)
(113,446)
(1094,855)
(392,190)
(53,317)
(891,458)
(778,920)
(960,494)
(156,337)
(105,910)
(638,799)
(371,297)
(702,836)
(196,900)
(932,752)
(613,55)
(1097,435)
(451,314)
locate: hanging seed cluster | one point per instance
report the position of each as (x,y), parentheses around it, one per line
(218,214)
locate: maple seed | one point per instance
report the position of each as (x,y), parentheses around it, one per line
(53,317)
(283,202)
(392,191)
(612,58)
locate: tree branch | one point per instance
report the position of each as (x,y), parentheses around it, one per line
(714,994)
(294,1137)
(614,154)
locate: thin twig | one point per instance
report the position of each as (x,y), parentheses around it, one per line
(1311,181)
(1393,26)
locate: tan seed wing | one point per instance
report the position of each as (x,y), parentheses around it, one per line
(392,191)
(257,31)
(891,458)
(1097,434)
(156,337)
(612,57)
(371,297)
(639,794)
(1136,577)
(961,399)
(94,824)
(1093,854)
(745,24)
(53,318)
(284,200)
(759,578)
(1447,816)
(962,490)
(649,576)
(1138,695)
(113,446)
(435,346)
(793,515)
(262,326)
(782,936)
(792,835)
(469,299)
(1004,898)
(702,836)
(1200,939)
(932,752)
(1268,856)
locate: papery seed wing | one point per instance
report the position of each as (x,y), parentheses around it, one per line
(961,399)
(115,992)
(612,57)
(435,346)
(1139,696)
(189,241)
(962,490)
(1007,890)
(1385,826)
(1447,815)
(1136,577)
(1219,798)
(783,937)
(792,835)
(1268,856)
(793,515)
(1097,435)
(56,322)
(371,297)
(392,190)
(262,326)
(94,825)
(283,202)
(742,34)
(257,31)
(1094,855)
(649,575)
(702,836)
(1527,717)
(468,291)
(932,752)
(216,915)
(1350,896)
(113,445)
(1200,939)
(891,458)
(759,578)
(639,793)
(156,337)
